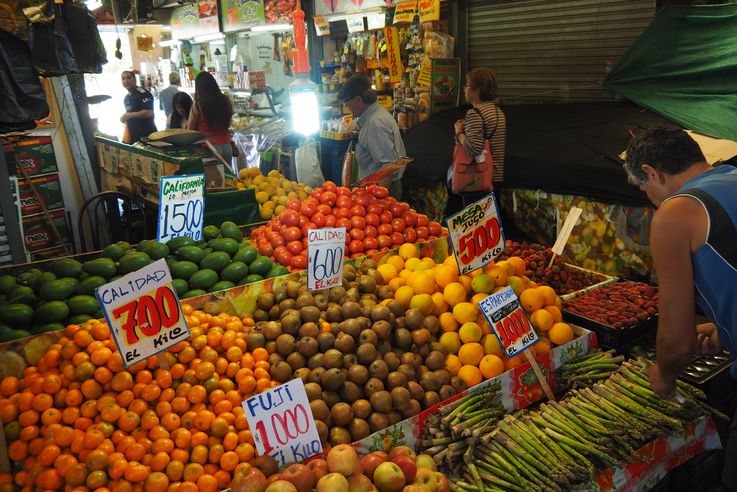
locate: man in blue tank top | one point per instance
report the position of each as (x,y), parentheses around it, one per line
(693,240)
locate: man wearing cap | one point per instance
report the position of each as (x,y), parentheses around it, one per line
(167,95)
(379,140)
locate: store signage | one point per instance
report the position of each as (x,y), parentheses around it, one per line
(181,207)
(279,11)
(394,59)
(376,21)
(445,84)
(239,14)
(194,19)
(405,12)
(355,23)
(429,10)
(325,253)
(424,79)
(476,234)
(144,43)
(322,26)
(509,322)
(282,423)
(386,102)
(143,312)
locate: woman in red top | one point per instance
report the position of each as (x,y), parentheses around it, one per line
(211,113)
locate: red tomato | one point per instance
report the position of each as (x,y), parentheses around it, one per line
(355,246)
(343,212)
(422,220)
(361,200)
(434,228)
(328,198)
(344,222)
(358,210)
(422,232)
(308,208)
(379,191)
(292,233)
(397,209)
(290,218)
(371,252)
(384,241)
(343,191)
(374,208)
(329,186)
(330,221)
(358,234)
(386,217)
(358,222)
(284,258)
(410,235)
(324,209)
(295,247)
(306,228)
(316,194)
(370,243)
(372,219)
(371,231)
(397,238)
(305,242)
(277,240)
(344,201)
(266,249)
(398,225)
(319,220)
(302,221)
(385,229)
(409,217)
(299,262)
(294,204)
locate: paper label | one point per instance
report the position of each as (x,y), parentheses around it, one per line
(376,21)
(405,12)
(424,79)
(394,59)
(506,317)
(181,207)
(282,423)
(143,312)
(355,23)
(325,253)
(476,234)
(429,10)
(322,26)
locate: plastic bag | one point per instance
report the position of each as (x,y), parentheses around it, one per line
(438,45)
(22,99)
(308,165)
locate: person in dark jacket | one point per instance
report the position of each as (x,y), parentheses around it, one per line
(139,109)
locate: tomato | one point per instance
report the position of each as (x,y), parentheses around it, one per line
(299,262)
(379,191)
(328,198)
(396,209)
(398,225)
(306,228)
(292,233)
(422,220)
(386,216)
(384,241)
(371,231)
(361,200)
(344,222)
(266,249)
(344,201)
(422,232)
(397,238)
(343,191)
(355,246)
(358,210)
(374,208)
(319,220)
(316,194)
(370,243)
(309,208)
(290,217)
(330,221)
(278,250)
(358,222)
(434,228)
(409,217)
(385,229)
(343,212)
(284,258)
(277,240)
(294,204)
(372,219)
(358,234)
(329,186)
(324,209)
(295,247)
(410,235)
(305,242)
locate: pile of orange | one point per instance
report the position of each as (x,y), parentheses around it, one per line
(79,420)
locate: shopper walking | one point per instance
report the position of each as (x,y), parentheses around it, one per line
(139,110)
(484,121)
(379,140)
(166,96)
(693,239)
(182,106)
(211,114)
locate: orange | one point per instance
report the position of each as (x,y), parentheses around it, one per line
(387,271)
(492,346)
(452,364)
(499,275)
(519,265)
(450,341)
(448,322)
(408,251)
(423,302)
(470,332)
(471,375)
(542,346)
(423,282)
(548,294)
(515,361)
(444,275)
(471,353)
(454,293)
(465,312)
(156,482)
(560,333)
(542,320)
(531,300)
(396,261)
(555,312)
(491,366)
(439,304)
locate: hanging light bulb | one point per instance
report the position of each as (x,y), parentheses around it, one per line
(302,92)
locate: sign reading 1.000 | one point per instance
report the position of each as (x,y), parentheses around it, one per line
(506,317)
(181,207)
(476,234)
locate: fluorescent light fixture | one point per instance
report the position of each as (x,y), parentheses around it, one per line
(93,4)
(168,43)
(305,112)
(271,27)
(206,38)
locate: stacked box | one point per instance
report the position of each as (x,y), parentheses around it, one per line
(34,155)
(38,234)
(49,192)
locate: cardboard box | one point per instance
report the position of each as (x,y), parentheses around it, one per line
(49,192)
(38,234)
(35,155)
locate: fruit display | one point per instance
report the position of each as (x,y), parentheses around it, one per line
(560,276)
(619,305)
(374,222)
(79,418)
(273,191)
(343,470)
(563,444)
(40,300)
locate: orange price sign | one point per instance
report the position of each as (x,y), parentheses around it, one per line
(143,312)
(476,234)
(506,317)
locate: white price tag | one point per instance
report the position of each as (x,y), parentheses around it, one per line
(181,207)
(355,23)
(143,312)
(476,234)
(506,317)
(376,21)
(325,254)
(282,423)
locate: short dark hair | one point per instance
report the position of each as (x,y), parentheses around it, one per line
(670,150)
(368,96)
(484,80)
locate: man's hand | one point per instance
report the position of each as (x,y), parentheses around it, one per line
(459,124)
(126,116)
(708,339)
(666,389)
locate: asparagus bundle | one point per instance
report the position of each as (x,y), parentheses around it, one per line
(588,369)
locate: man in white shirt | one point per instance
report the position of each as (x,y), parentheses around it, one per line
(167,95)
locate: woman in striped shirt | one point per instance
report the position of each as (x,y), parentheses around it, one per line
(484,121)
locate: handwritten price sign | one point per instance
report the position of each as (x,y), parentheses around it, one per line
(181,207)
(476,234)
(508,320)
(143,312)
(282,423)
(325,253)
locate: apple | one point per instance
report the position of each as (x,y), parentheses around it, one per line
(426,461)
(281,486)
(443,482)
(371,461)
(359,483)
(409,468)
(267,464)
(343,459)
(319,468)
(388,477)
(273,478)
(427,477)
(300,476)
(247,478)
(333,482)
(402,450)
(415,487)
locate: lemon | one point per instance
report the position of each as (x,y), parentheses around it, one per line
(454,293)
(387,272)
(470,332)
(451,342)
(423,302)
(407,251)
(465,312)
(483,284)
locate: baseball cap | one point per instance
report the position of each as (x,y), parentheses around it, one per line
(355,85)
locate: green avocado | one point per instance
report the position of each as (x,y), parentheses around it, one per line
(17,314)
(134,261)
(57,290)
(193,293)
(203,279)
(179,242)
(51,311)
(227,245)
(66,267)
(156,251)
(230,230)
(183,269)
(234,272)
(217,260)
(83,304)
(103,267)
(222,285)
(90,284)
(190,253)
(260,265)
(246,254)
(7,284)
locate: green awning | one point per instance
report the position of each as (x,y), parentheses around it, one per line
(684,67)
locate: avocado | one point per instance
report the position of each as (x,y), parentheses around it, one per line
(217,260)
(90,284)
(22,294)
(203,279)
(277,271)
(82,304)
(222,285)
(156,251)
(260,265)
(133,261)
(103,267)
(51,311)
(234,272)
(250,278)
(57,290)
(7,284)
(227,245)
(66,267)
(180,285)
(193,293)
(179,242)
(246,254)
(17,314)
(183,269)
(230,230)
(210,232)
(114,252)
(190,253)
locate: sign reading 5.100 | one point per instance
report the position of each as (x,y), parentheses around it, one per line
(476,234)
(143,312)
(181,207)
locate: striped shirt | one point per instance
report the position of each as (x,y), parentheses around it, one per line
(496,132)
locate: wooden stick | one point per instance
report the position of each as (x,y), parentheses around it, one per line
(540,377)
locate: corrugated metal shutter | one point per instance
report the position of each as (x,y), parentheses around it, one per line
(554,51)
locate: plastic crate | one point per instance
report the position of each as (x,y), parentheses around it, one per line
(610,337)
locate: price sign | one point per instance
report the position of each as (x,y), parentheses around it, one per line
(322,26)
(355,23)
(325,253)
(376,21)
(282,423)
(476,234)
(181,207)
(143,312)
(506,317)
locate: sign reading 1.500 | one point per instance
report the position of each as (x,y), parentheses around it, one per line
(476,234)
(181,207)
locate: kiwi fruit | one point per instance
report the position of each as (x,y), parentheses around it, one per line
(333,313)
(380,313)
(305,300)
(366,352)
(281,372)
(260,315)
(350,309)
(341,414)
(429,381)
(325,341)
(378,369)
(309,314)
(395,307)
(267,464)
(430,399)
(415,390)
(255,340)
(336,293)
(331,398)
(435,360)
(382,329)
(432,323)
(351,327)
(319,410)
(265,301)
(359,429)
(308,330)
(446,391)
(424,350)
(307,346)
(392,360)
(340,435)
(317,360)
(287,304)
(332,380)
(367,284)
(394,417)
(321,302)
(322,430)
(296,360)
(349,360)
(285,344)
(378,421)
(413,318)
(383,347)
(443,376)
(368,336)
(413,408)
(303,373)
(395,380)
(400,397)
(333,359)
(402,338)
(350,392)
(457,384)
(358,374)
(272,330)
(316,374)
(313,391)
(381,401)
(385,292)
(290,322)
(361,408)
(344,343)
(275,358)
(421,337)
(408,372)
(373,386)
